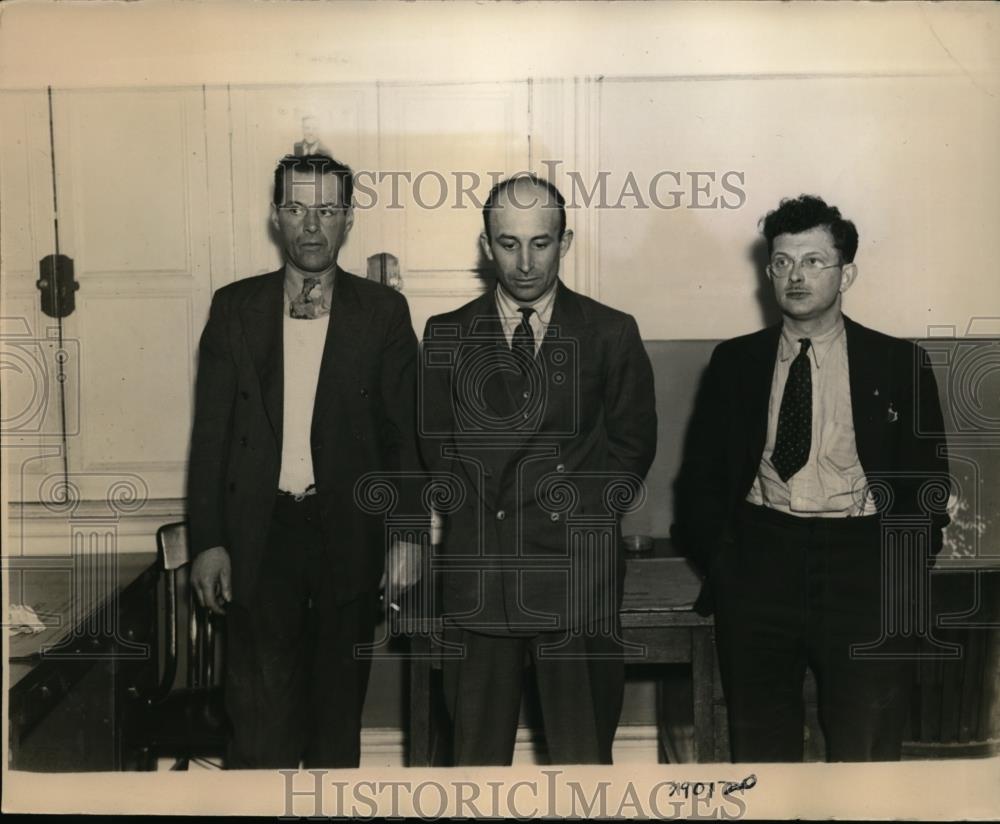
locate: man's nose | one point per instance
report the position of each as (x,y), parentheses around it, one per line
(524,260)
(311,221)
(798,272)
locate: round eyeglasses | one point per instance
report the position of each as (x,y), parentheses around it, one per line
(325,212)
(781,266)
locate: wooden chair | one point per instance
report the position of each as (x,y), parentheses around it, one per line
(185,721)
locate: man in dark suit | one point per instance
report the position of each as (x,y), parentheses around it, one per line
(814,502)
(540,401)
(306,381)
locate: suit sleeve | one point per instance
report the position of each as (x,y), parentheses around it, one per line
(630,404)
(700,495)
(215,393)
(926,455)
(435,418)
(399,382)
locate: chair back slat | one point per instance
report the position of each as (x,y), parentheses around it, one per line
(170,633)
(207,662)
(194,645)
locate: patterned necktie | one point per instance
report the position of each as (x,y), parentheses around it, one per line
(794,438)
(308,304)
(523,339)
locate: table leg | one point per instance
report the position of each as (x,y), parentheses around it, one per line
(703,688)
(421,720)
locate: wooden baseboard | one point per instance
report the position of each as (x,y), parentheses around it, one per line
(922,751)
(634,744)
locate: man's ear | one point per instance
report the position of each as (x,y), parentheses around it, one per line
(847,276)
(564,242)
(349,220)
(274,216)
(484,241)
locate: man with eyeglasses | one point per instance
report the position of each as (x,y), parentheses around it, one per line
(803,478)
(306,382)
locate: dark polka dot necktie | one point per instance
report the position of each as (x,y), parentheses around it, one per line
(794,437)
(523,339)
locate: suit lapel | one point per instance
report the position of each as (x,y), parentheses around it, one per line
(560,391)
(756,377)
(486,325)
(568,326)
(346,337)
(864,366)
(261,315)
(486,397)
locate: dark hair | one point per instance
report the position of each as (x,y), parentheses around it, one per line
(503,185)
(807,212)
(315,163)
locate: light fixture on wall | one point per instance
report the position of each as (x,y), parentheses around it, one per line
(384,268)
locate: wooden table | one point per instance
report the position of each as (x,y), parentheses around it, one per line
(656,614)
(70,685)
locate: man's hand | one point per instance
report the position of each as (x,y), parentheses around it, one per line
(211,578)
(403,568)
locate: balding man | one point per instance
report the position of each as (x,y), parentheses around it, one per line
(539,400)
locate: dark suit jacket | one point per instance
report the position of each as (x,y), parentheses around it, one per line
(891,385)
(363,421)
(530,484)
(319,148)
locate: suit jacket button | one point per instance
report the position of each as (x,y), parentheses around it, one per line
(232,487)
(243,441)
(501,515)
(245,395)
(561,468)
(364,393)
(554,517)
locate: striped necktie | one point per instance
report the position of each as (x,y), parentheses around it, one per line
(523,339)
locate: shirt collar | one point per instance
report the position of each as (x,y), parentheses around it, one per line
(819,347)
(508,308)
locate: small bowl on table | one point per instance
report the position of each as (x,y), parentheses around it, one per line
(638,544)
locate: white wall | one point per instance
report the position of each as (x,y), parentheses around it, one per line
(913,161)
(234,42)
(891,111)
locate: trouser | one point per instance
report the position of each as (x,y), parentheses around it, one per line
(294,686)
(580,688)
(796,592)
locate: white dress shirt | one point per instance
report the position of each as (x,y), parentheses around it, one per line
(510,317)
(832,483)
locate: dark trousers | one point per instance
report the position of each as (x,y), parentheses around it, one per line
(796,592)
(294,686)
(580,692)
